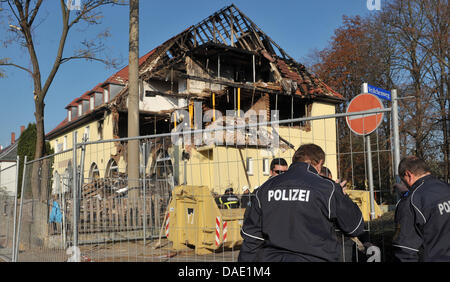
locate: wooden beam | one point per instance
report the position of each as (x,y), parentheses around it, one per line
(212,33)
(234,84)
(216,29)
(224,29)
(230,23)
(209,39)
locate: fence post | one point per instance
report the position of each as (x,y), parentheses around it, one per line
(13,256)
(370,176)
(21,207)
(395,133)
(80,184)
(365,89)
(144,224)
(75,197)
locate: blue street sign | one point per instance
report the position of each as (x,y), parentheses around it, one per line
(379,92)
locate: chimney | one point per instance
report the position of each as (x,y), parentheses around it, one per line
(22,129)
(13,138)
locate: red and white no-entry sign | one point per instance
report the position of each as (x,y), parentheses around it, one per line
(365,123)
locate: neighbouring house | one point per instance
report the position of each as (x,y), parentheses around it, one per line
(225,63)
(8,166)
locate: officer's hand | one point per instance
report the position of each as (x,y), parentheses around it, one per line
(400,187)
(342,184)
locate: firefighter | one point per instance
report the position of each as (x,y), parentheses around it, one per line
(422,215)
(291,216)
(245,197)
(229,200)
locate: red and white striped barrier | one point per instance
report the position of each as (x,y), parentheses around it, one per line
(167,225)
(217,231)
(225,231)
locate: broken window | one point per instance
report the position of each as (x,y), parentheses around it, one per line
(112,169)
(289,107)
(94,173)
(163,166)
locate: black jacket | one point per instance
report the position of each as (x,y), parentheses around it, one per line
(229,201)
(292,216)
(245,200)
(422,219)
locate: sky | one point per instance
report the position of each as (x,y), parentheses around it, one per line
(297,26)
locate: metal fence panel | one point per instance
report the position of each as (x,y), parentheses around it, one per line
(173,211)
(8,209)
(46,209)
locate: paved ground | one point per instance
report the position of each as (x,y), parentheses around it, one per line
(128,251)
(135,251)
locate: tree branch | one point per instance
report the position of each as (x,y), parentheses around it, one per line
(62,42)
(34,12)
(17,66)
(14,12)
(87,9)
(65,60)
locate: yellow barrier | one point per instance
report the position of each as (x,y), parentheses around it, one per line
(193,219)
(362,199)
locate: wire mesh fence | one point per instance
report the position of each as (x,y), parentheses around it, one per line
(46,214)
(8,208)
(81,205)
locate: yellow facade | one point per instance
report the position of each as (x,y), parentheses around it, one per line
(217,167)
(100,154)
(221,167)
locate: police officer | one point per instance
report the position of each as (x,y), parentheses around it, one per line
(229,200)
(291,216)
(422,215)
(278,166)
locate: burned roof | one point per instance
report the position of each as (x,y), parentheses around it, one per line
(227,31)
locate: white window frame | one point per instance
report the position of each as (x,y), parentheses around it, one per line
(86,134)
(110,168)
(92,102)
(80,109)
(106,96)
(69,114)
(249,163)
(266,166)
(65,143)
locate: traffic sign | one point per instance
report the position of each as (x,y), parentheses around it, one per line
(379,92)
(364,124)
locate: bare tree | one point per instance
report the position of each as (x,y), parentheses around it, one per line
(23,15)
(420,30)
(437,13)
(358,52)
(133,104)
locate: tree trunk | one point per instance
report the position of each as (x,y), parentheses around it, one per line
(133,111)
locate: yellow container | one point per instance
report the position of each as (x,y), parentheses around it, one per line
(362,199)
(194,219)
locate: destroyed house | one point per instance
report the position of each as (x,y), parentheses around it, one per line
(223,64)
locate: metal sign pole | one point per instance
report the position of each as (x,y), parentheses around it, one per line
(395,133)
(370,176)
(365,89)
